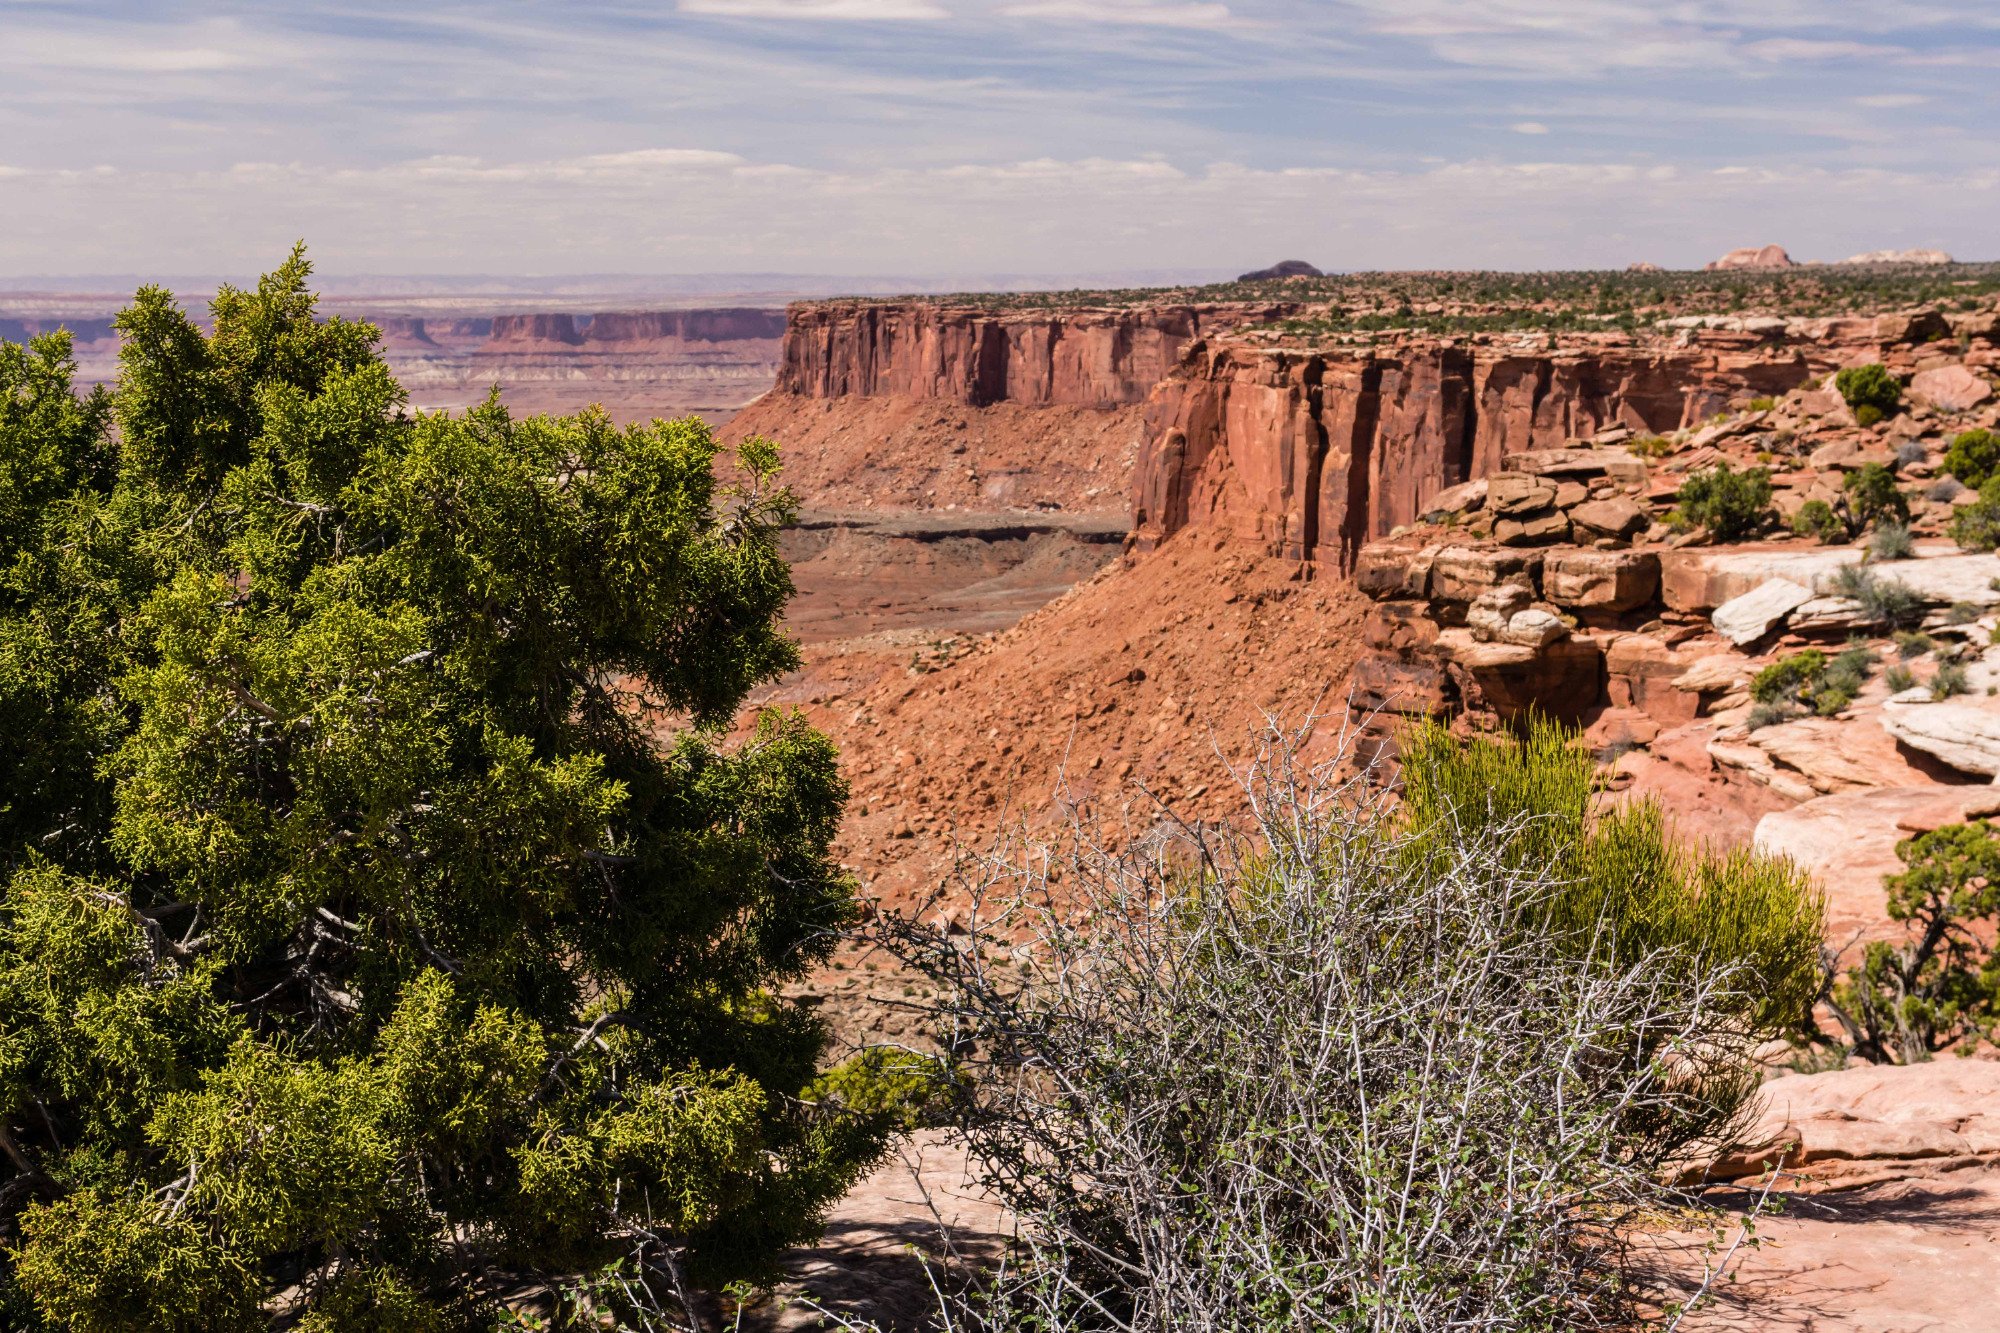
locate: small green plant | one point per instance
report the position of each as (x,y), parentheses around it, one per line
(1867,416)
(1880,601)
(1730,504)
(1816,518)
(1764,404)
(1899,678)
(1912,643)
(1869,386)
(1974,456)
(1976,526)
(1767,715)
(1949,680)
(1940,985)
(1786,679)
(1651,446)
(1963,613)
(1892,541)
(1873,498)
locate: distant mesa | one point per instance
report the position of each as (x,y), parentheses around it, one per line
(1644,266)
(1919,256)
(1769,256)
(1290,268)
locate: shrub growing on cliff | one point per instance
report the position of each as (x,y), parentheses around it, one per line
(1871,387)
(1816,518)
(1355,1068)
(1976,526)
(1873,497)
(1939,986)
(1878,600)
(1730,504)
(1973,457)
(360,944)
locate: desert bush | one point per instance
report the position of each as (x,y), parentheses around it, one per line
(1784,680)
(1948,680)
(1816,518)
(1912,643)
(1870,386)
(1881,601)
(1963,613)
(1939,986)
(1974,456)
(1358,1068)
(1944,490)
(1868,416)
(1911,451)
(1899,678)
(1976,526)
(1808,679)
(360,943)
(1730,504)
(1651,446)
(1872,497)
(1892,541)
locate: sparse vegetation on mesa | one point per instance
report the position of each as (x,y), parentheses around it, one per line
(362,953)
(1476,302)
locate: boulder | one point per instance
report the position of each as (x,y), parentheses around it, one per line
(1538,529)
(1533,628)
(1750,617)
(1518,493)
(1562,679)
(1607,581)
(1718,673)
(1950,388)
(1881,1113)
(1640,672)
(1489,613)
(1399,627)
(1466,498)
(1461,573)
(1617,517)
(1962,732)
(1386,572)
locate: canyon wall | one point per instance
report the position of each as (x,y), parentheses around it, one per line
(920,350)
(1313,453)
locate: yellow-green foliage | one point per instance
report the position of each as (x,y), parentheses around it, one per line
(1623,873)
(357,936)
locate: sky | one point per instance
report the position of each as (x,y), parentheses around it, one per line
(948,137)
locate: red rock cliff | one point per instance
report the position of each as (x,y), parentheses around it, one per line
(966,354)
(1314,453)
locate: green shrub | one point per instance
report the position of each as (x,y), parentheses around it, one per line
(1728,503)
(1159,1106)
(1963,613)
(1763,404)
(1912,643)
(1974,456)
(1881,601)
(1816,518)
(1940,986)
(1899,678)
(1870,386)
(1949,680)
(1786,679)
(1892,541)
(1867,416)
(1872,497)
(361,947)
(1976,526)
(1651,446)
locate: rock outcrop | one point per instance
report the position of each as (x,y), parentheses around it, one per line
(1316,453)
(1917,256)
(1284,268)
(1094,358)
(1752,256)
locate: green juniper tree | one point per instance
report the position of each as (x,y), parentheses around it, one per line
(385,917)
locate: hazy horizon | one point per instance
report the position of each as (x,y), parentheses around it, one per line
(834,138)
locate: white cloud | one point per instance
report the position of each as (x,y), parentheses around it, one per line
(866,11)
(1528,127)
(1807,48)
(1142,12)
(1888,101)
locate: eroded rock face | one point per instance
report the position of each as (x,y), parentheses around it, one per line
(1752,256)
(965,354)
(1964,733)
(1601,581)
(1315,453)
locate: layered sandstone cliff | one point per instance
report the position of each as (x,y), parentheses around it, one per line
(1313,453)
(1090,358)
